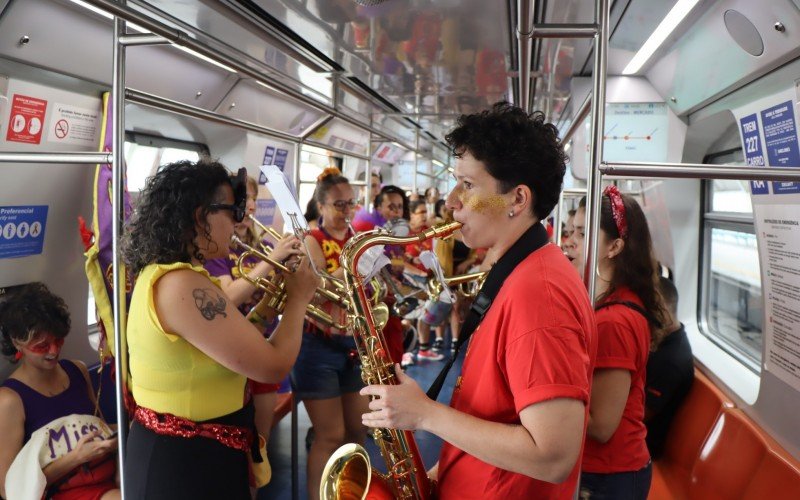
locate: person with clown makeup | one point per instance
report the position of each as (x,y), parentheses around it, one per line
(516,421)
(46,394)
(630,314)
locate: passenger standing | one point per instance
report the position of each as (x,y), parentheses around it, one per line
(327,376)
(245,296)
(516,422)
(190,350)
(670,373)
(616,463)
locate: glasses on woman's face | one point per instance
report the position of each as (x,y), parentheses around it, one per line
(237,210)
(394,207)
(343,205)
(43,345)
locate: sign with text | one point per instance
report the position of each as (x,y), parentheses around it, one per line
(780,141)
(22,230)
(265,211)
(26,119)
(73,125)
(753,152)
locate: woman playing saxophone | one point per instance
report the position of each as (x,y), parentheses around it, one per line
(517,418)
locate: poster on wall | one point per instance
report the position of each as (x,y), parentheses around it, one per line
(265,211)
(26,119)
(73,125)
(769,134)
(22,230)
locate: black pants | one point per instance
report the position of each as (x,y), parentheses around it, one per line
(175,468)
(617,486)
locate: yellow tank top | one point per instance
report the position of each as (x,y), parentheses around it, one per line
(168,374)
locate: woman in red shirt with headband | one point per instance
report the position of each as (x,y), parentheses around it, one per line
(629,311)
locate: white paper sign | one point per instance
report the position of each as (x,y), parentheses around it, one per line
(284,195)
(73,125)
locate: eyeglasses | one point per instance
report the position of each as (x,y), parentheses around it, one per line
(238,210)
(343,205)
(393,207)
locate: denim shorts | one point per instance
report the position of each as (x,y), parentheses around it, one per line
(324,368)
(436,312)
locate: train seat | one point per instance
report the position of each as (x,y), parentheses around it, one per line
(692,425)
(733,459)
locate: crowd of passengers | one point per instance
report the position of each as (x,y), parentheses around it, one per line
(556,394)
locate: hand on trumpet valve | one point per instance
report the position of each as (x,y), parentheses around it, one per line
(301,283)
(287,247)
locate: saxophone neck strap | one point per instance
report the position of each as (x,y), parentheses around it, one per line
(530,241)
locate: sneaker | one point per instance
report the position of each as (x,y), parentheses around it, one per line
(430,355)
(438,344)
(407,360)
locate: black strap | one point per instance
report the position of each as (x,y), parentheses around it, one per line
(630,305)
(532,240)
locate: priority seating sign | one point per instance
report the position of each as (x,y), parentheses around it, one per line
(22,230)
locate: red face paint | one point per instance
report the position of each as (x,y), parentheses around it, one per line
(44,344)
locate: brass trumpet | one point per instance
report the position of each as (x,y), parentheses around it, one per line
(275,291)
(467,284)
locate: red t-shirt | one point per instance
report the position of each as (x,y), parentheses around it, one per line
(624,342)
(536,343)
(331,250)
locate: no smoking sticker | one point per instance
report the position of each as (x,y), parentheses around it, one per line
(62,129)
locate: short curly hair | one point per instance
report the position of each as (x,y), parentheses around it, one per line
(517,148)
(29,310)
(162,228)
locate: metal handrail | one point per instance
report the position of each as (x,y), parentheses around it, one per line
(697,171)
(554,30)
(56,157)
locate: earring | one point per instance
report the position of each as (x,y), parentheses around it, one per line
(511,214)
(17,355)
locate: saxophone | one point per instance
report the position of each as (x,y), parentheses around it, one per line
(348,473)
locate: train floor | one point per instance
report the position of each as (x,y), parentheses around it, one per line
(279,448)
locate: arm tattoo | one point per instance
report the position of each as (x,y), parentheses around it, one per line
(209,302)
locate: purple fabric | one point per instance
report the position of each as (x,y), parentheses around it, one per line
(105,214)
(40,410)
(362,218)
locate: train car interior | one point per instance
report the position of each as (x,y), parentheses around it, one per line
(689,106)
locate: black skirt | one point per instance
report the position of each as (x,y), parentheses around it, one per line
(174,468)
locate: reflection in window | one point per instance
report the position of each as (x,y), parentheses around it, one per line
(734,307)
(731,294)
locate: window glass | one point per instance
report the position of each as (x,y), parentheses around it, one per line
(731,294)
(143,156)
(734,306)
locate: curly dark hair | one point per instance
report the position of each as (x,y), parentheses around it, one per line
(517,148)
(29,310)
(639,269)
(162,228)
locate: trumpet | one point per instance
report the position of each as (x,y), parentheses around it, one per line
(275,290)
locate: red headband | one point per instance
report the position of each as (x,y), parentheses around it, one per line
(617,210)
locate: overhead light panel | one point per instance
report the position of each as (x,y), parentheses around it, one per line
(670,22)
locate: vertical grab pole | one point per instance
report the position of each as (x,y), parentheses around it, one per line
(295,451)
(593,184)
(118,209)
(557,219)
(416,160)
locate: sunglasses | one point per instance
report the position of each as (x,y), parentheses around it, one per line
(238,210)
(44,345)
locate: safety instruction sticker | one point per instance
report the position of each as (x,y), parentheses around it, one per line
(26,119)
(780,141)
(73,125)
(22,230)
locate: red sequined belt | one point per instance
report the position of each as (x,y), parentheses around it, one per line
(165,424)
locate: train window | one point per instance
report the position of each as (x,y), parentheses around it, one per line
(731,303)
(145,153)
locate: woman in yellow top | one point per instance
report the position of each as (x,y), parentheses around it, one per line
(190,350)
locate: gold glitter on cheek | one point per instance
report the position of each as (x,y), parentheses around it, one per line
(492,204)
